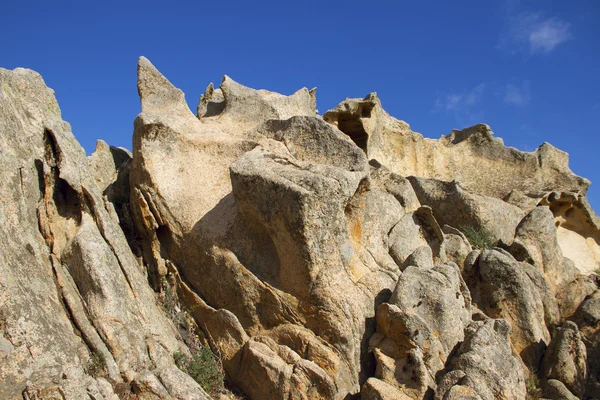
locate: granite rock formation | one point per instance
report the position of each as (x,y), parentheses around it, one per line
(320,257)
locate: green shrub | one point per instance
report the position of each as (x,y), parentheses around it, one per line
(479,238)
(533,387)
(203,366)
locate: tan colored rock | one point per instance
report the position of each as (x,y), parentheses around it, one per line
(556,390)
(452,205)
(574,293)
(456,246)
(578,229)
(276,226)
(536,243)
(105,163)
(461,155)
(311,271)
(272,371)
(376,389)
(416,229)
(236,107)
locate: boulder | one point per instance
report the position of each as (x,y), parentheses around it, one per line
(484,366)
(536,243)
(556,390)
(414,230)
(453,205)
(587,318)
(456,245)
(566,359)
(570,296)
(275,222)
(516,292)
(418,329)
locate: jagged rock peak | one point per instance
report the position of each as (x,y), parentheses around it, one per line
(320,258)
(248,107)
(156,92)
(461,155)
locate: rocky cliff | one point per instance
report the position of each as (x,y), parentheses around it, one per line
(341,256)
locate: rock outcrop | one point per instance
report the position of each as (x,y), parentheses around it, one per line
(332,257)
(76,310)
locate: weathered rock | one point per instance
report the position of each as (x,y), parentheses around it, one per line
(536,243)
(395,184)
(484,366)
(419,328)
(241,108)
(578,229)
(376,389)
(587,318)
(283,244)
(292,233)
(416,229)
(515,291)
(572,294)
(452,205)
(105,163)
(422,258)
(272,371)
(556,390)
(69,269)
(566,359)
(456,246)
(461,155)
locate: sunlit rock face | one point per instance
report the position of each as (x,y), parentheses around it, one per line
(332,257)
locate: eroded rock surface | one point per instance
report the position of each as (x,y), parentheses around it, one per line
(391,142)
(71,291)
(324,257)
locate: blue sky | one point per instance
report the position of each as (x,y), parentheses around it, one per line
(529,69)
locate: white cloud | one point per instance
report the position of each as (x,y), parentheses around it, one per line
(459,101)
(534,34)
(549,34)
(462,105)
(518,95)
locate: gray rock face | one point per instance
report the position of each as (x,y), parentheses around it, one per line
(516,292)
(566,359)
(320,258)
(71,291)
(484,366)
(587,318)
(419,328)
